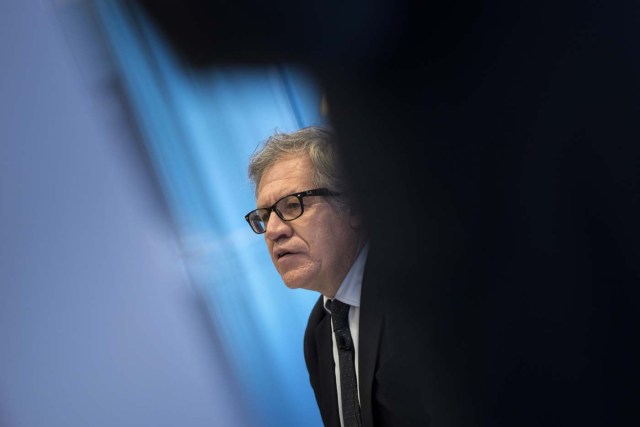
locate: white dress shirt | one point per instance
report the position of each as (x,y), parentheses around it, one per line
(349,293)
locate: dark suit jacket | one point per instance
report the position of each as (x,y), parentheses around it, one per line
(390,392)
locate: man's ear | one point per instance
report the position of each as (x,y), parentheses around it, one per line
(355,218)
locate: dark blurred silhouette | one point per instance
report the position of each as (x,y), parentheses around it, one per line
(494,148)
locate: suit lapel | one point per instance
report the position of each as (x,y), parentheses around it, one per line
(327,378)
(371,320)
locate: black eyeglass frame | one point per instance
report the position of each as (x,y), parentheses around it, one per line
(301,195)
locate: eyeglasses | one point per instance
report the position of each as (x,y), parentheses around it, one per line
(287,208)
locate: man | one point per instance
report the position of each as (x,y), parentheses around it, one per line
(317,241)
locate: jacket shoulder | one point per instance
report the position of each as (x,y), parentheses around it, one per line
(317,314)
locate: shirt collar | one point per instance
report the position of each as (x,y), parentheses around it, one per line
(351,286)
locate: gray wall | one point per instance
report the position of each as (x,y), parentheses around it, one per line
(99,324)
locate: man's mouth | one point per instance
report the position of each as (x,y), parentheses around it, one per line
(283,254)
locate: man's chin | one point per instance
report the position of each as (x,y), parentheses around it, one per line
(297,283)
(294,285)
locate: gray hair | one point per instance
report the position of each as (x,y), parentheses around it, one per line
(316,142)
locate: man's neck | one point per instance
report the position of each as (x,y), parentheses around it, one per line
(349,289)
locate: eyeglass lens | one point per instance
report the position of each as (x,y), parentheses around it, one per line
(287,208)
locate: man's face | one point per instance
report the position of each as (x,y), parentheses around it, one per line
(316,250)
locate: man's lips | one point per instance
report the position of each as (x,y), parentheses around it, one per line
(282,253)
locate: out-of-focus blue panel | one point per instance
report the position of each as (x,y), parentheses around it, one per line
(200,130)
(99,325)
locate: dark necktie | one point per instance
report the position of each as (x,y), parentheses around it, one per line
(346,351)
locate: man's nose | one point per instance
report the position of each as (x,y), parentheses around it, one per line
(277,228)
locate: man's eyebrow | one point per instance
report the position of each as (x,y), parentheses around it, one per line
(284,194)
(267,205)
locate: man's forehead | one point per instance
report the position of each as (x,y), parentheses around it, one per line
(285,176)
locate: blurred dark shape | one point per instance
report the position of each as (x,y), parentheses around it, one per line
(496,151)
(349,35)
